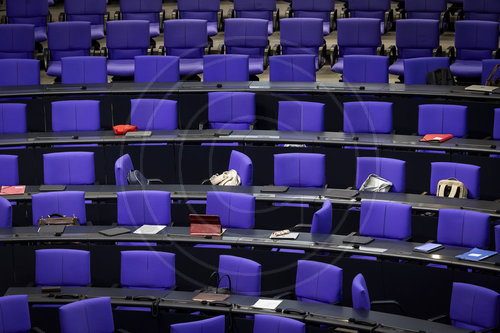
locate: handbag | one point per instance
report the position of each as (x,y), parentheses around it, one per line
(58,219)
(376,183)
(227,178)
(122,129)
(451,188)
(135,177)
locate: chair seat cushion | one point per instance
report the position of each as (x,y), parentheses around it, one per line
(397,68)
(54,68)
(212,28)
(97,31)
(338,67)
(40,34)
(467,68)
(255,66)
(190,66)
(123,67)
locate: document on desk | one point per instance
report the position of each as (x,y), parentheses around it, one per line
(372,249)
(290,235)
(148,229)
(476,254)
(267,304)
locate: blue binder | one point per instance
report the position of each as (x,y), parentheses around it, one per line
(476,254)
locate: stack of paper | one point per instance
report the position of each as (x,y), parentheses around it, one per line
(148,229)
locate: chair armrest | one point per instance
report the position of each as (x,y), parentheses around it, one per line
(289,12)
(251,126)
(3,20)
(208,49)
(175,14)
(62,17)
(333,20)
(49,17)
(118,15)
(46,59)
(203,125)
(381,50)
(450,53)
(221,49)
(388,20)
(36,330)
(393,54)
(438,51)
(104,51)
(162,50)
(334,54)
(496,54)
(155,181)
(163,16)
(345,13)
(276,19)
(276,50)
(267,53)
(285,295)
(389,302)
(231,13)
(440,318)
(151,50)
(322,55)
(220,20)
(107,17)
(302,228)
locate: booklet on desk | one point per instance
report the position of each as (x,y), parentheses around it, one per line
(6,190)
(436,137)
(428,247)
(476,254)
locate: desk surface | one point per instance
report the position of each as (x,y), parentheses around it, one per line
(313,312)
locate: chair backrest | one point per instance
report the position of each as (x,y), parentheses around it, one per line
(359,292)
(69,168)
(295,67)
(15,313)
(235,210)
(358,36)
(186,38)
(19,72)
(482,10)
(243,166)
(225,67)
(416,69)
(369,8)
(10,174)
(261,9)
(69,39)
(28,12)
(5,213)
(123,166)
(141,10)
(366,69)
(322,219)
(318,282)
(90,315)
(488,66)
(244,275)
(147,270)
(463,228)
(67,203)
(83,70)
(367,117)
(212,325)
(475,40)
(442,119)
(313,8)
(18,41)
(474,307)
(62,267)
(12,118)
(127,39)
(92,11)
(496,125)
(153,114)
(301,35)
(231,110)
(299,170)
(275,324)
(143,207)
(466,173)
(383,219)
(76,115)
(301,116)
(425,9)
(199,9)
(246,36)
(388,168)
(416,38)
(156,69)
(497,238)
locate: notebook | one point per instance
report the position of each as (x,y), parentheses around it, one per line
(210,297)
(52,188)
(138,134)
(479,88)
(476,254)
(428,247)
(19,189)
(357,240)
(114,231)
(274,189)
(436,137)
(56,230)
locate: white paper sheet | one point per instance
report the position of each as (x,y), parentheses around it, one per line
(148,229)
(268,304)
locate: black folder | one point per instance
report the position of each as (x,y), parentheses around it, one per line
(114,231)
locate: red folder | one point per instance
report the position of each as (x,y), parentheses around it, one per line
(436,137)
(6,190)
(205,225)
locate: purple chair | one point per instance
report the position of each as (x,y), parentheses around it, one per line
(416,69)
(474,41)
(302,36)
(367,117)
(123,166)
(322,219)
(75,115)
(10,174)
(19,72)
(474,308)
(243,273)
(66,39)
(497,238)
(265,10)
(90,315)
(69,168)
(83,70)
(186,39)
(231,110)
(147,270)
(154,114)
(243,166)
(482,10)
(496,125)
(317,282)
(208,10)
(235,210)
(12,118)
(225,67)
(125,40)
(488,66)
(365,69)
(67,203)
(15,313)
(388,168)
(299,170)
(355,36)
(248,37)
(156,69)
(442,119)
(291,68)
(62,267)
(5,213)
(301,116)
(463,228)
(211,325)
(276,324)
(384,219)
(360,295)
(92,11)
(30,12)
(137,208)
(374,9)
(149,10)
(426,10)
(18,41)
(466,173)
(414,39)
(323,9)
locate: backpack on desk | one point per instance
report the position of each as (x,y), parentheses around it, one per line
(451,188)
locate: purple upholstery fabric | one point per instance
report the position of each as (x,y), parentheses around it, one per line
(496,126)
(211,325)
(442,119)
(231,110)
(318,282)
(276,324)
(367,117)
(466,173)
(463,228)
(30,12)
(301,36)
(360,296)
(235,210)
(143,207)
(10,174)
(366,69)
(388,168)
(314,9)
(322,219)
(298,67)
(15,313)
(147,269)
(92,11)
(243,166)
(244,275)
(62,267)
(5,212)
(225,67)
(12,118)
(425,9)
(156,69)
(75,115)
(497,238)
(83,70)
(19,72)
(67,203)
(90,315)
(299,170)
(69,168)
(482,10)
(200,10)
(384,219)
(154,114)
(143,10)
(301,116)
(416,69)
(18,41)
(374,9)
(122,167)
(260,9)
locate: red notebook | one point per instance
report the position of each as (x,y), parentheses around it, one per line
(6,190)
(205,225)
(436,137)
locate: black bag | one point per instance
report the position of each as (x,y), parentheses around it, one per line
(441,77)
(135,177)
